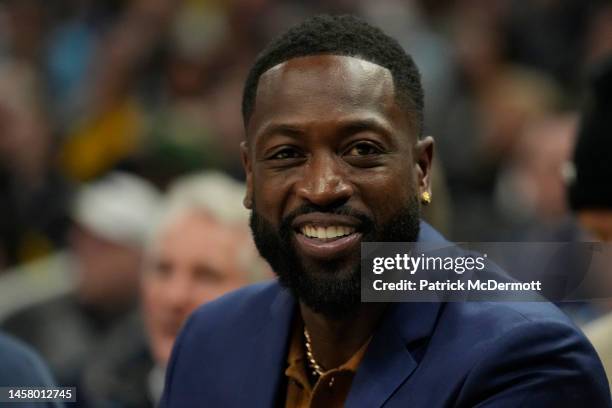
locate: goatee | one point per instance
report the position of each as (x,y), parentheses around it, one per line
(331,288)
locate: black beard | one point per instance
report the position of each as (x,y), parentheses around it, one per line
(332,289)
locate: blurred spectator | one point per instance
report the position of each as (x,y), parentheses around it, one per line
(181,135)
(530,190)
(25,23)
(107,128)
(550,35)
(599,34)
(492,100)
(111,219)
(201,248)
(590,194)
(27,177)
(590,172)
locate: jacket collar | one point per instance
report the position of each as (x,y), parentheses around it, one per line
(269,354)
(391,358)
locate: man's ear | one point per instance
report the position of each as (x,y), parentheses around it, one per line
(248,170)
(423,156)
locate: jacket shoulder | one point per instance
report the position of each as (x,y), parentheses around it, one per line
(21,366)
(499,317)
(528,351)
(486,324)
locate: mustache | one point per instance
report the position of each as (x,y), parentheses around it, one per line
(367,224)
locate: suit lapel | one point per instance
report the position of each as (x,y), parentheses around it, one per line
(264,372)
(389,361)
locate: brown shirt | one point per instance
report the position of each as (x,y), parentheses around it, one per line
(330,390)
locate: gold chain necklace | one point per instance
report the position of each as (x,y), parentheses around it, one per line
(317,369)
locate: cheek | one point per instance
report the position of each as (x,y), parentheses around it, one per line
(207,294)
(152,296)
(271,194)
(154,328)
(200,291)
(385,193)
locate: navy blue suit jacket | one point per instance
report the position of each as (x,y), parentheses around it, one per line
(22,367)
(232,353)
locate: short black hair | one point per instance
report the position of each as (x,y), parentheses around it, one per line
(344,35)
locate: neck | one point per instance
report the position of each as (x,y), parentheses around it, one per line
(335,341)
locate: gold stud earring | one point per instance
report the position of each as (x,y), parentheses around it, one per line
(425,197)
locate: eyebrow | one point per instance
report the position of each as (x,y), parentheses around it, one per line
(285,129)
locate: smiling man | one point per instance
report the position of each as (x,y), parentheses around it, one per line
(334,157)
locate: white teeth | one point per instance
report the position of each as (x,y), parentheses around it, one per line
(321,233)
(331,232)
(335,231)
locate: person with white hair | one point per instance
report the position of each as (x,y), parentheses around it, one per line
(199,247)
(200,250)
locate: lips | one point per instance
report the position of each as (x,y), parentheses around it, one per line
(327,236)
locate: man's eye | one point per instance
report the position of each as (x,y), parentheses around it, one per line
(285,154)
(362,149)
(162,269)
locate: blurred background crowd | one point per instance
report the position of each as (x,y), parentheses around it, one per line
(111,110)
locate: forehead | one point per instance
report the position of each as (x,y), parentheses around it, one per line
(324,88)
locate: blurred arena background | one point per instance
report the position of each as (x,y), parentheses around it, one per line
(106,104)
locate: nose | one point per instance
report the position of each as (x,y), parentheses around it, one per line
(324,183)
(176,293)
